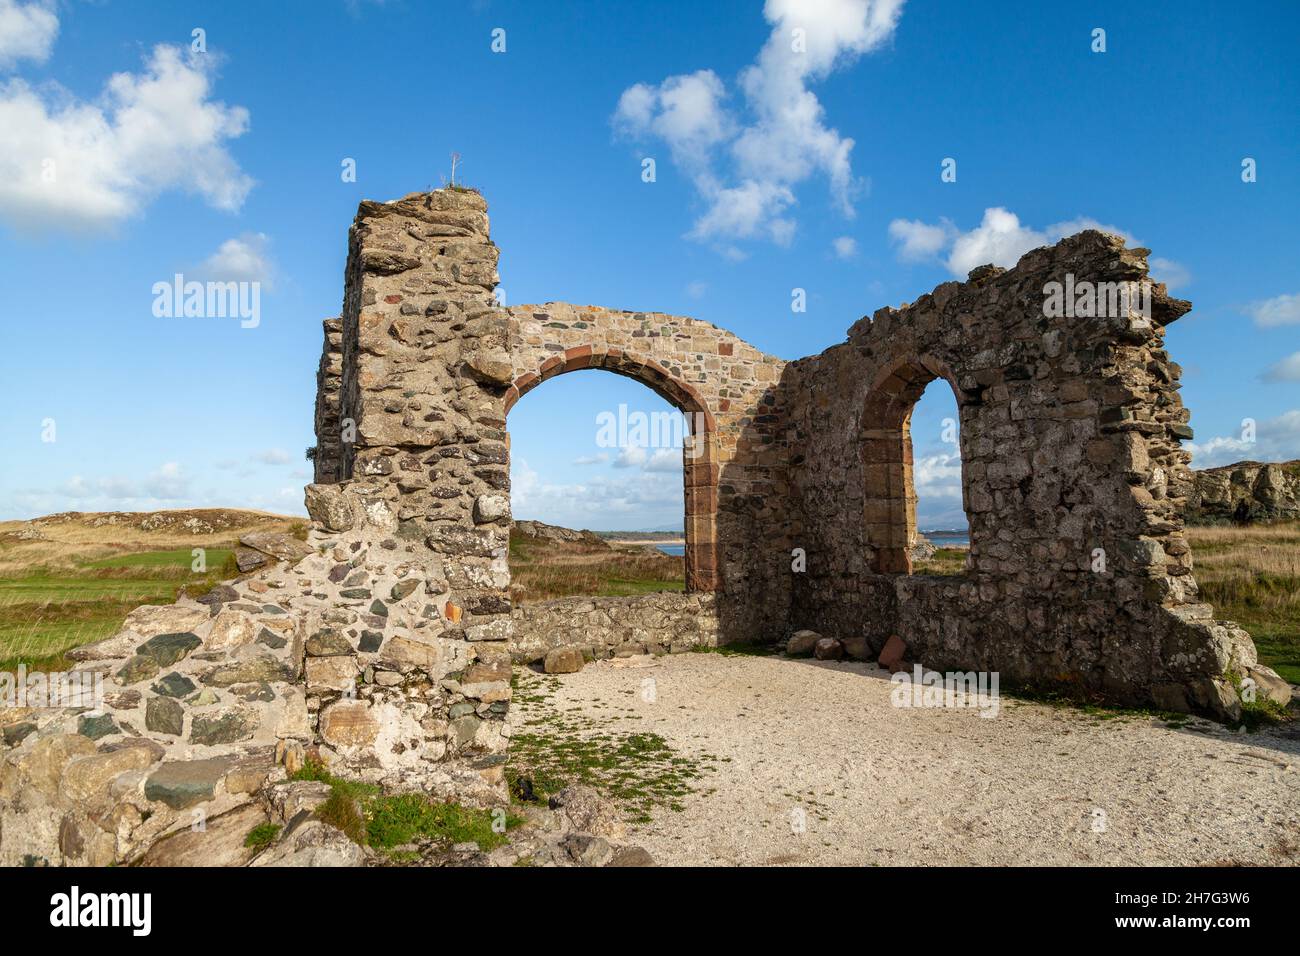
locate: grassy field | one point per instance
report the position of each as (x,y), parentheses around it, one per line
(47,612)
(71,579)
(1251,574)
(943,561)
(542,569)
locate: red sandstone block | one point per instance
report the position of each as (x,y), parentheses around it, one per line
(705,556)
(579,357)
(725,348)
(891,655)
(698,580)
(699,473)
(702,500)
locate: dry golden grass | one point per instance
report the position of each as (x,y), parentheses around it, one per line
(74,538)
(1251,574)
(541,570)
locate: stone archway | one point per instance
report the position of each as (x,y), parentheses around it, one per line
(699,457)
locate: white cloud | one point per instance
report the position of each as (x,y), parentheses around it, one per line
(273,456)
(1001,239)
(597,459)
(918,241)
(751,210)
(247,467)
(72,165)
(633,456)
(168,483)
(745,169)
(244,259)
(640,499)
(1287,370)
(697,289)
(937,476)
(686,112)
(27,32)
(665,460)
(1173,274)
(1279,310)
(846,247)
(1277,439)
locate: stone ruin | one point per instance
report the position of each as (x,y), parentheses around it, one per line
(383,645)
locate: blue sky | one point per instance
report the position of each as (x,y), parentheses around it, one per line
(226,164)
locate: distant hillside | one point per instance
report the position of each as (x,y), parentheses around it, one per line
(1247,491)
(676,535)
(76,536)
(539,529)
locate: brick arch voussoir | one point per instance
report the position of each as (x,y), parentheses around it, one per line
(657,378)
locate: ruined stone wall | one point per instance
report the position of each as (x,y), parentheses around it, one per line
(1069,435)
(660,623)
(419,525)
(328,460)
(1070,432)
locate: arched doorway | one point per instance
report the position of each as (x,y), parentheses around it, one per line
(699,453)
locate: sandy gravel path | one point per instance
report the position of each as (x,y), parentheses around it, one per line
(875,784)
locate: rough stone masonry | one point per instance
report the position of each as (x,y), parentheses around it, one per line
(383,645)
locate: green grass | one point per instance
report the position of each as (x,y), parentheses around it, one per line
(262,836)
(944,561)
(386,821)
(44,613)
(181,558)
(639,771)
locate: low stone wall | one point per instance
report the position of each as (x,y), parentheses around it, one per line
(666,621)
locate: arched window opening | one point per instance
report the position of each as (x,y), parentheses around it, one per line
(940,531)
(915,519)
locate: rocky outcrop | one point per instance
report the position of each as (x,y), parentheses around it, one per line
(922,549)
(1245,492)
(550,532)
